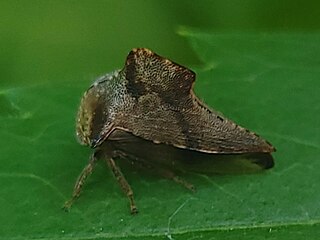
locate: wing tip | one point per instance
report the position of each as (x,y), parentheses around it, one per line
(264,160)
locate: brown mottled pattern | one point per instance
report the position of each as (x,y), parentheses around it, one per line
(124,113)
(165,110)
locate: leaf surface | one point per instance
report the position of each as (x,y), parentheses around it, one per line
(268,83)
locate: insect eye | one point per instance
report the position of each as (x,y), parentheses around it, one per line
(92,115)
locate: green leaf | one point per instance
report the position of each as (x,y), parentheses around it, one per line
(268,83)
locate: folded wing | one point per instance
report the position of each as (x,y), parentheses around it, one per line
(166,110)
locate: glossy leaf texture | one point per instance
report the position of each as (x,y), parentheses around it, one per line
(268,83)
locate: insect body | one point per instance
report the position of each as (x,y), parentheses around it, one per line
(149,113)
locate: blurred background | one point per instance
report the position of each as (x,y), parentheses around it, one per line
(61,46)
(68,41)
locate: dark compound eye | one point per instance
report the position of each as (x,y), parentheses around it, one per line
(92,114)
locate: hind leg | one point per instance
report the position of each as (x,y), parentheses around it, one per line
(159,170)
(169,174)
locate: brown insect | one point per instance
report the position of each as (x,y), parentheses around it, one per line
(148,113)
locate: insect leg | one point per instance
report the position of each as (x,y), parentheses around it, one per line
(160,170)
(171,175)
(86,172)
(123,184)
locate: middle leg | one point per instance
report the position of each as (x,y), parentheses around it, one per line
(123,184)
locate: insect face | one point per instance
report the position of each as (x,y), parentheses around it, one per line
(97,109)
